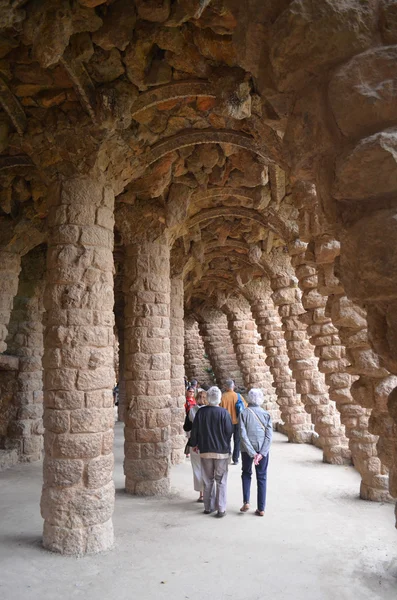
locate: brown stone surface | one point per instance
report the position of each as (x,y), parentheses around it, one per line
(149,401)
(79,289)
(237,137)
(197,364)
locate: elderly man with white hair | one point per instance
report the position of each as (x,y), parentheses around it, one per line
(256,433)
(211,433)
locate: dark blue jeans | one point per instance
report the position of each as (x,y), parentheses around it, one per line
(261,479)
(236,443)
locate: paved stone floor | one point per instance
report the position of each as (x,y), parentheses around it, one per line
(318,541)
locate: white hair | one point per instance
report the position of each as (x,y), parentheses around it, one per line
(214,396)
(255,397)
(229,383)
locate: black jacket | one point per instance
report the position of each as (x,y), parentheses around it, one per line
(212,430)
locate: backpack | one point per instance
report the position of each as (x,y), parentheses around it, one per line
(240,406)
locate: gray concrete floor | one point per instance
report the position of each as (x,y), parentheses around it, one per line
(318,541)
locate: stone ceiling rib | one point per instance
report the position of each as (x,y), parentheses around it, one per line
(173,91)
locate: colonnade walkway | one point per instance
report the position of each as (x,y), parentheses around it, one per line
(317,541)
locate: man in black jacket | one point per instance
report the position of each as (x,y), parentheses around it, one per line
(211,433)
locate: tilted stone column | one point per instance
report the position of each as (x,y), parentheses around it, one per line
(197,365)
(218,344)
(297,424)
(249,354)
(25,340)
(147,368)
(10,266)
(178,438)
(310,382)
(339,364)
(354,393)
(78,493)
(370,391)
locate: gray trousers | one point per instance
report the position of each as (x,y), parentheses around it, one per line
(214,472)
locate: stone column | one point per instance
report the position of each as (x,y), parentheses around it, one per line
(25,340)
(178,438)
(310,382)
(297,424)
(249,354)
(78,493)
(371,386)
(338,363)
(197,365)
(218,344)
(10,266)
(147,368)
(119,317)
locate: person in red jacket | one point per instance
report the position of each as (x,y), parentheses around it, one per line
(190,399)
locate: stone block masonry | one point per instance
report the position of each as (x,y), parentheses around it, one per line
(147,369)
(78,492)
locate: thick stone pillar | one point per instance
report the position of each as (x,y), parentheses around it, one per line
(147,368)
(78,493)
(218,344)
(178,438)
(310,382)
(197,365)
(297,424)
(249,354)
(10,266)
(25,340)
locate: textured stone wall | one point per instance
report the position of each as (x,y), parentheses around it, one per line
(197,365)
(25,340)
(78,492)
(218,344)
(178,438)
(147,368)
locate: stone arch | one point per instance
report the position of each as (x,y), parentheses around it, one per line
(219,254)
(256,194)
(267,218)
(228,244)
(173,91)
(191,137)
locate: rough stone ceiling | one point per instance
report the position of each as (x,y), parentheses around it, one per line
(149,95)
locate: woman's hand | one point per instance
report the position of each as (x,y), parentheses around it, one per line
(257,459)
(196,450)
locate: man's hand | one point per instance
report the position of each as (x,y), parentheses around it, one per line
(196,450)
(257,459)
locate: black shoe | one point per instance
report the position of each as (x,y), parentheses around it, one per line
(208,512)
(219,515)
(235,463)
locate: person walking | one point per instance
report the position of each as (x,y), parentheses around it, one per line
(195,458)
(229,399)
(256,434)
(211,433)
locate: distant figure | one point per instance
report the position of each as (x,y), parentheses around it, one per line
(229,399)
(256,433)
(195,458)
(194,384)
(211,433)
(190,399)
